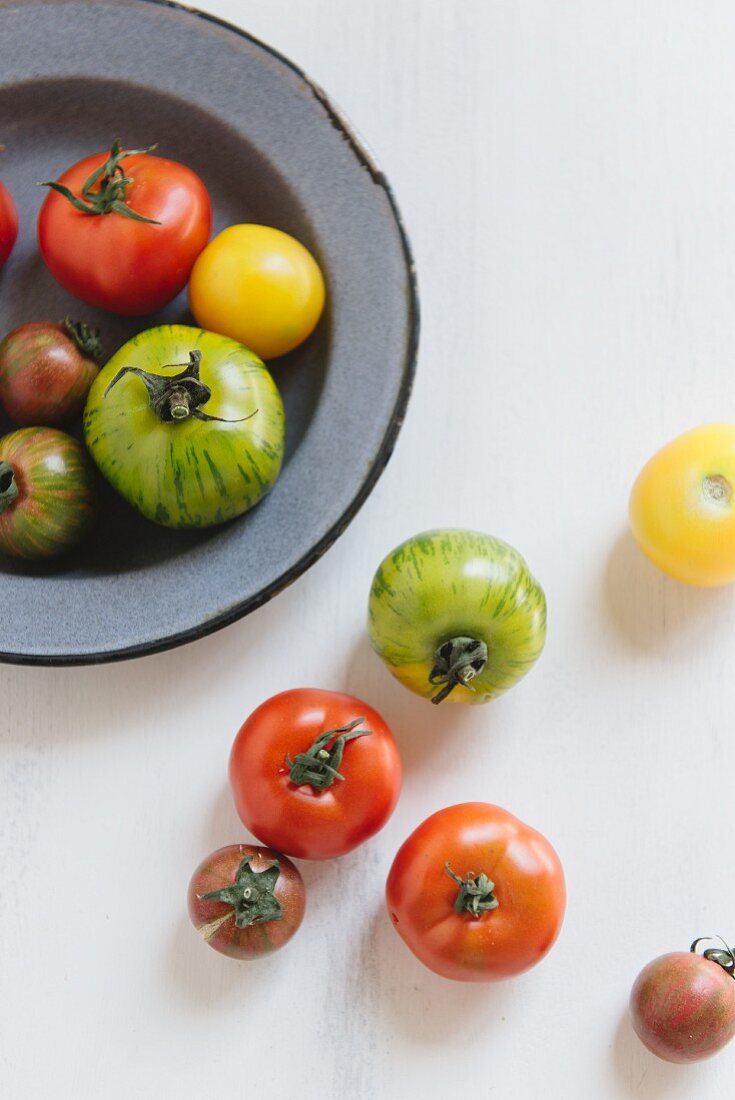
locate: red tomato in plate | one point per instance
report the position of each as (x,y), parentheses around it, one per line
(682,1004)
(246,901)
(475,894)
(314,773)
(8,223)
(97,237)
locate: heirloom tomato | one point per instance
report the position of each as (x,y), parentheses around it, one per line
(456,614)
(682,509)
(246,901)
(475,894)
(46,369)
(121,230)
(682,1004)
(186,425)
(46,493)
(8,223)
(314,773)
(260,286)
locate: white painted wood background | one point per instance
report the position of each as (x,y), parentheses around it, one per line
(567,174)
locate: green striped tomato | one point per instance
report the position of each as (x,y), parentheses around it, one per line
(186,425)
(456,614)
(46,493)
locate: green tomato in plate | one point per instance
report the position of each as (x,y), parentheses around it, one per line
(456,614)
(187,425)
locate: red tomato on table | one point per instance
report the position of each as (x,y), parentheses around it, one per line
(8,223)
(97,234)
(314,773)
(477,895)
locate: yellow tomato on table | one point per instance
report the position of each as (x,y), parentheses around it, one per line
(682,506)
(258,286)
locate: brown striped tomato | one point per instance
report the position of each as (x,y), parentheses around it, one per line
(246,901)
(46,493)
(682,1004)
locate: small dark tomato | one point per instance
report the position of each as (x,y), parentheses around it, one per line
(46,493)
(682,1005)
(8,223)
(246,901)
(46,369)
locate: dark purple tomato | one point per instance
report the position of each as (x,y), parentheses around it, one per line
(683,1004)
(46,369)
(46,493)
(246,901)
(8,223)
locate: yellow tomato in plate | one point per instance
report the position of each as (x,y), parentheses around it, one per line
(258,286)
(682,506)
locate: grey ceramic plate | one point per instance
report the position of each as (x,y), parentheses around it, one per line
(74,74)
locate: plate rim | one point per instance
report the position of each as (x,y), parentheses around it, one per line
(240,609)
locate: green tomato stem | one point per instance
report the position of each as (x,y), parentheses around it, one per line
(111,183)
(85,337)
(723,956)
(8,486)
(457,661)
(475,893)
(319,766)
(251,895)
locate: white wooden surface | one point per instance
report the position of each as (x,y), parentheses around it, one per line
(566,171)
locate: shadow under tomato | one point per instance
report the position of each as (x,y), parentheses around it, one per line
(642,1075)
(413,1001)
(647,608)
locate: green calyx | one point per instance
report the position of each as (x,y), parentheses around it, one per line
(179,397)
(724,956)
(457,661)
(85,337)
(251,895)
(104,191)
(319,765)
(8,486)
(475,893)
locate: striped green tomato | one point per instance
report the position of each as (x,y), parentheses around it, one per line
(186,425)
(46,493)
(456,614)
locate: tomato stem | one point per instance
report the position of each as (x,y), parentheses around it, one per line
(475,893)
(457,661)
(179,397)
(111,183)
(85,337)
(8,486)
(251,895)
(724,958)
(318,766)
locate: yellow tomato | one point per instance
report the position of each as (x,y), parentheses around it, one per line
(682,507)
(259,286)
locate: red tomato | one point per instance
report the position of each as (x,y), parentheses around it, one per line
(315,773)
(682,1005)
(8,223)
(96,246)
(246,901)
(477,895)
